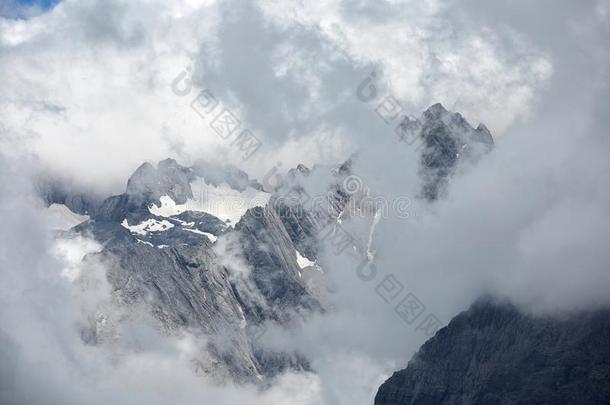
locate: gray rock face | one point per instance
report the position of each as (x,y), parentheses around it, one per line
(234,177)
(299,227)
(53,191)
(295,207)
(185,288)
(446,138)
(145,186)
(493,354)
(269,250)
(173,270)
(169,178)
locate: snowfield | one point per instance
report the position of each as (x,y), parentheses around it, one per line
(223,202)
(150,225)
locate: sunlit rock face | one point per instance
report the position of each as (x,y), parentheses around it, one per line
(494,354)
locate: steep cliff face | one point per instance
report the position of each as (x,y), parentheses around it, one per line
(494,354)
(445,139)
(299,211)
(269,250)
(206,249)
(160,247)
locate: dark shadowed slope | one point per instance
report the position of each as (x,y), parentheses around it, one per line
(493,354)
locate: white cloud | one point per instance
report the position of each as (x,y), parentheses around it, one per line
(44,314)
(87,90)
(91,79)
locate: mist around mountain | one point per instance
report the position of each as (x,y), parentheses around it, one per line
(208,251)
(494,353)
(310,203)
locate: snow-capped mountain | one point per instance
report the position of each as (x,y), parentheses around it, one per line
(206,249)
(173,242)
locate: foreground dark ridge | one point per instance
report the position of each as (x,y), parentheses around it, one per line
(493,354)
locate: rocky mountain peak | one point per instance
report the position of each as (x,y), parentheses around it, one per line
(169,178)
(448,139)
(435,111)
(494,353)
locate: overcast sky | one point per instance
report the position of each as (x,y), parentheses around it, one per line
(90,79)
(89,92)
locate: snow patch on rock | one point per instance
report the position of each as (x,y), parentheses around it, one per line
(304,262)
(222,201)
(197,231)
(150,225)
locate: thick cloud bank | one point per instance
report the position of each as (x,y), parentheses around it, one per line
(92,79)
(93,88)
(51,291)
